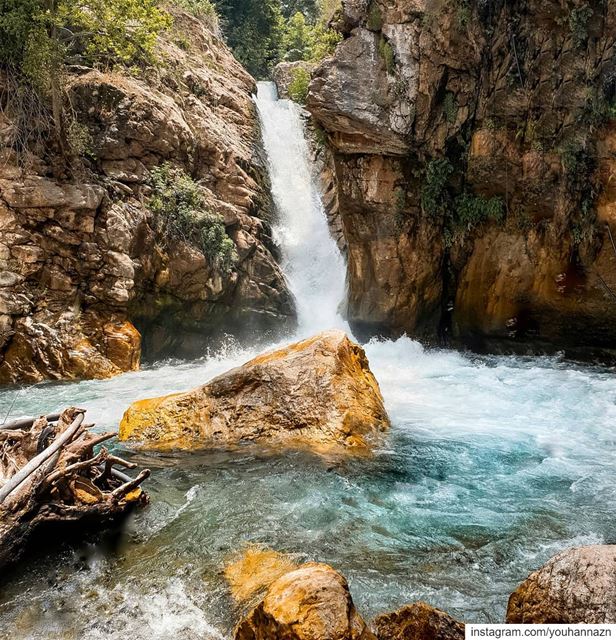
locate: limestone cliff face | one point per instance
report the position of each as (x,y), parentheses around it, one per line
(474,152)
(85,265)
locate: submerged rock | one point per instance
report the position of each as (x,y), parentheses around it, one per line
(310,603)
(418,621)
(575,586)
(319,391)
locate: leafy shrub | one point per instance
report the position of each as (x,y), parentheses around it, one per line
(115,31)
(450,107)
(375,19)
(472,210)
(387,54)
(578,23)
(178,203)
(434,188)
(324,42)
(298,87)
(204,10)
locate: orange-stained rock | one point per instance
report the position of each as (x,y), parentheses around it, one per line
(252,572)
(418,621)
(90,346)
(575,586)
(310,603)
(123,345)
(319,391)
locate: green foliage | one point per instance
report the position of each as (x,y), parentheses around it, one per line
(466,212)
(328,10)
(310,9)
(472,210)
(599,110)
(324,42)
(264,32)
(37,36)
(375,18)
(253,30)
(577,161)
(450,107)
(177,201)
(202,9)
(400,203)
(387,54)
(115,31)
(578,23)
(434,196)
(17,20)
(298,87)
(310,42)
(297,39)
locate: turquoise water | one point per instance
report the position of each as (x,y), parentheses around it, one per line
(492,465)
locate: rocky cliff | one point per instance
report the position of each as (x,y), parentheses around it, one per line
(474,154)
(89,270)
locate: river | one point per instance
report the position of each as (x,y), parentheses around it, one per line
(492,465)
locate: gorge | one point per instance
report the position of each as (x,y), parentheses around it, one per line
(493,462)
(492,465)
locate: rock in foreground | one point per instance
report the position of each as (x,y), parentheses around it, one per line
(310,603)
(319,391)
(575,586)
(418,621)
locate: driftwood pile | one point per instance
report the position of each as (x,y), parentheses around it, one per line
(49,473)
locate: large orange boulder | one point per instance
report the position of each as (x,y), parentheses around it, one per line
(319,392)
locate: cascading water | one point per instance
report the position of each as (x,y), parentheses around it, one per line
(313,265)
(492,465)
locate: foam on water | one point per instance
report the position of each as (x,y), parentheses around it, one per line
(492,465)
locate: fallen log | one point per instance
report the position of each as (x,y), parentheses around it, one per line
(49,473)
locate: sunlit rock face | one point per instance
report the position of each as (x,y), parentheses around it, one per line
(418,621)
(500,91)
(318,392)
(88,275)
(309,603)
(575,586)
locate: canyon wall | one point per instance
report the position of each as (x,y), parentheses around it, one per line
(89,274)
(472,145)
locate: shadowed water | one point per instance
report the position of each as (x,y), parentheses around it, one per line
(491,466)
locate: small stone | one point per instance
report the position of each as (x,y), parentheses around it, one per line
(9,279)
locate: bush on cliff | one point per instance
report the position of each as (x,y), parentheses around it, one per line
(39,37)
(177,202)
(298,87)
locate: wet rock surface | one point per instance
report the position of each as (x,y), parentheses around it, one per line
(418,621)
(309,603)
(318,392)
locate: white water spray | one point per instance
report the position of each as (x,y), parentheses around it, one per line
(312,262)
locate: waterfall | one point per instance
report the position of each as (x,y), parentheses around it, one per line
(312,262)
